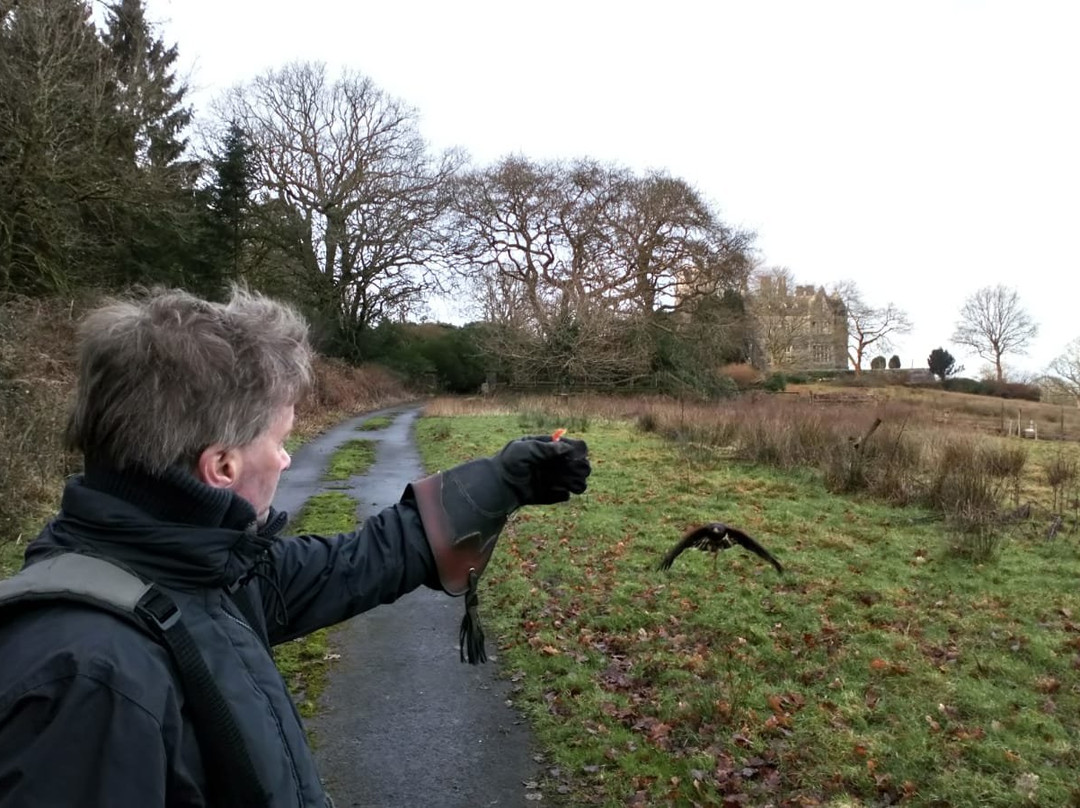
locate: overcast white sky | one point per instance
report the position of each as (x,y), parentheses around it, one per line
(923,149)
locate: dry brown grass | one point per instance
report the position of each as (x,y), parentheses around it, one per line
(985,414)
(915,456)
(745,376)
(570,407)
(970,476)
(36,377)
(341,390)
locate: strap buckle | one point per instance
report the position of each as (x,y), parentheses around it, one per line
(158,609)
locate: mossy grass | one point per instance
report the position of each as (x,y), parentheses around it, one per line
(881,667)
(11,557)
(304,662)
(375,422)
(351,459)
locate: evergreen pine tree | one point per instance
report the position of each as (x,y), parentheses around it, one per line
(145,88)
(230,197)
(157,226)
(942,364)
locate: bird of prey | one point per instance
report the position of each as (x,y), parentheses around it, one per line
(714,537)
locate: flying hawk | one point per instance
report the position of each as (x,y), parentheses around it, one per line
(714,537)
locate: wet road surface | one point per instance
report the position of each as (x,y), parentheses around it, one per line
(402,721)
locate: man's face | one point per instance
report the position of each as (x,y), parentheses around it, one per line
(262,461)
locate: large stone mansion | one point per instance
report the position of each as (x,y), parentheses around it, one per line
(807,330)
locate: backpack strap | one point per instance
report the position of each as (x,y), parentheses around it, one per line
(83,578)
(96,582)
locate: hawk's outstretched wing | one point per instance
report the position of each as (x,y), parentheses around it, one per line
(695,537)
(743,540)
(716,536)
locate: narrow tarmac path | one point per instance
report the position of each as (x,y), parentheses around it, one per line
(402,722)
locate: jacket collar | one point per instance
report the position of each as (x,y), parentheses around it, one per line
(170,528)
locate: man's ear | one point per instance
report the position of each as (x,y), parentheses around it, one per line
(218,466)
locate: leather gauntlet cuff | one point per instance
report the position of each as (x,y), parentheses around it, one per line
(463,510)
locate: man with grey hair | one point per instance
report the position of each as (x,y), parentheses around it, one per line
(181,415)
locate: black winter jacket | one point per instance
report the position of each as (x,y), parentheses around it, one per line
(91,713)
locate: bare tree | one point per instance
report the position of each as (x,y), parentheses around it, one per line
(350,163)
(670,247)
(528,238)
(504,231)
(1065,371)
(582,250)
(584,232)
(869,326)
(992,323)
(534,234)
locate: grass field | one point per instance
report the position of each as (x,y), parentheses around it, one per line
(881,668)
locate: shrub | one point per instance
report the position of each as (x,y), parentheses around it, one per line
(992,387)
(1003,461)
(775,383)
(719,433)
(963,384)
(1059,472)
(647,421)
(1014,390)
(760,443)
(433,354)
(810,435)
(877,363)
(1005,464)
(894,362)
(844,470)
(340,386)
(888,466)
(898,480)
(899,376)
(974,535)
(965,491)
(960,484)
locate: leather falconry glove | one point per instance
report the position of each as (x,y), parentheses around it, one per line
(464,510)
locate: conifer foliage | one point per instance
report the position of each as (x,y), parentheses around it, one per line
(94,188)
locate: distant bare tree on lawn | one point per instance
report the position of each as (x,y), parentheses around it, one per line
(1065,371)
(993,323)
(869,326)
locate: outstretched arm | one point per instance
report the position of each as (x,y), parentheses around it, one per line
(327,579)
(444,527)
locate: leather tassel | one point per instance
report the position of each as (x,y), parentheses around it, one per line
(472,633)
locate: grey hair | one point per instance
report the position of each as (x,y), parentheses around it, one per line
(163,374)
